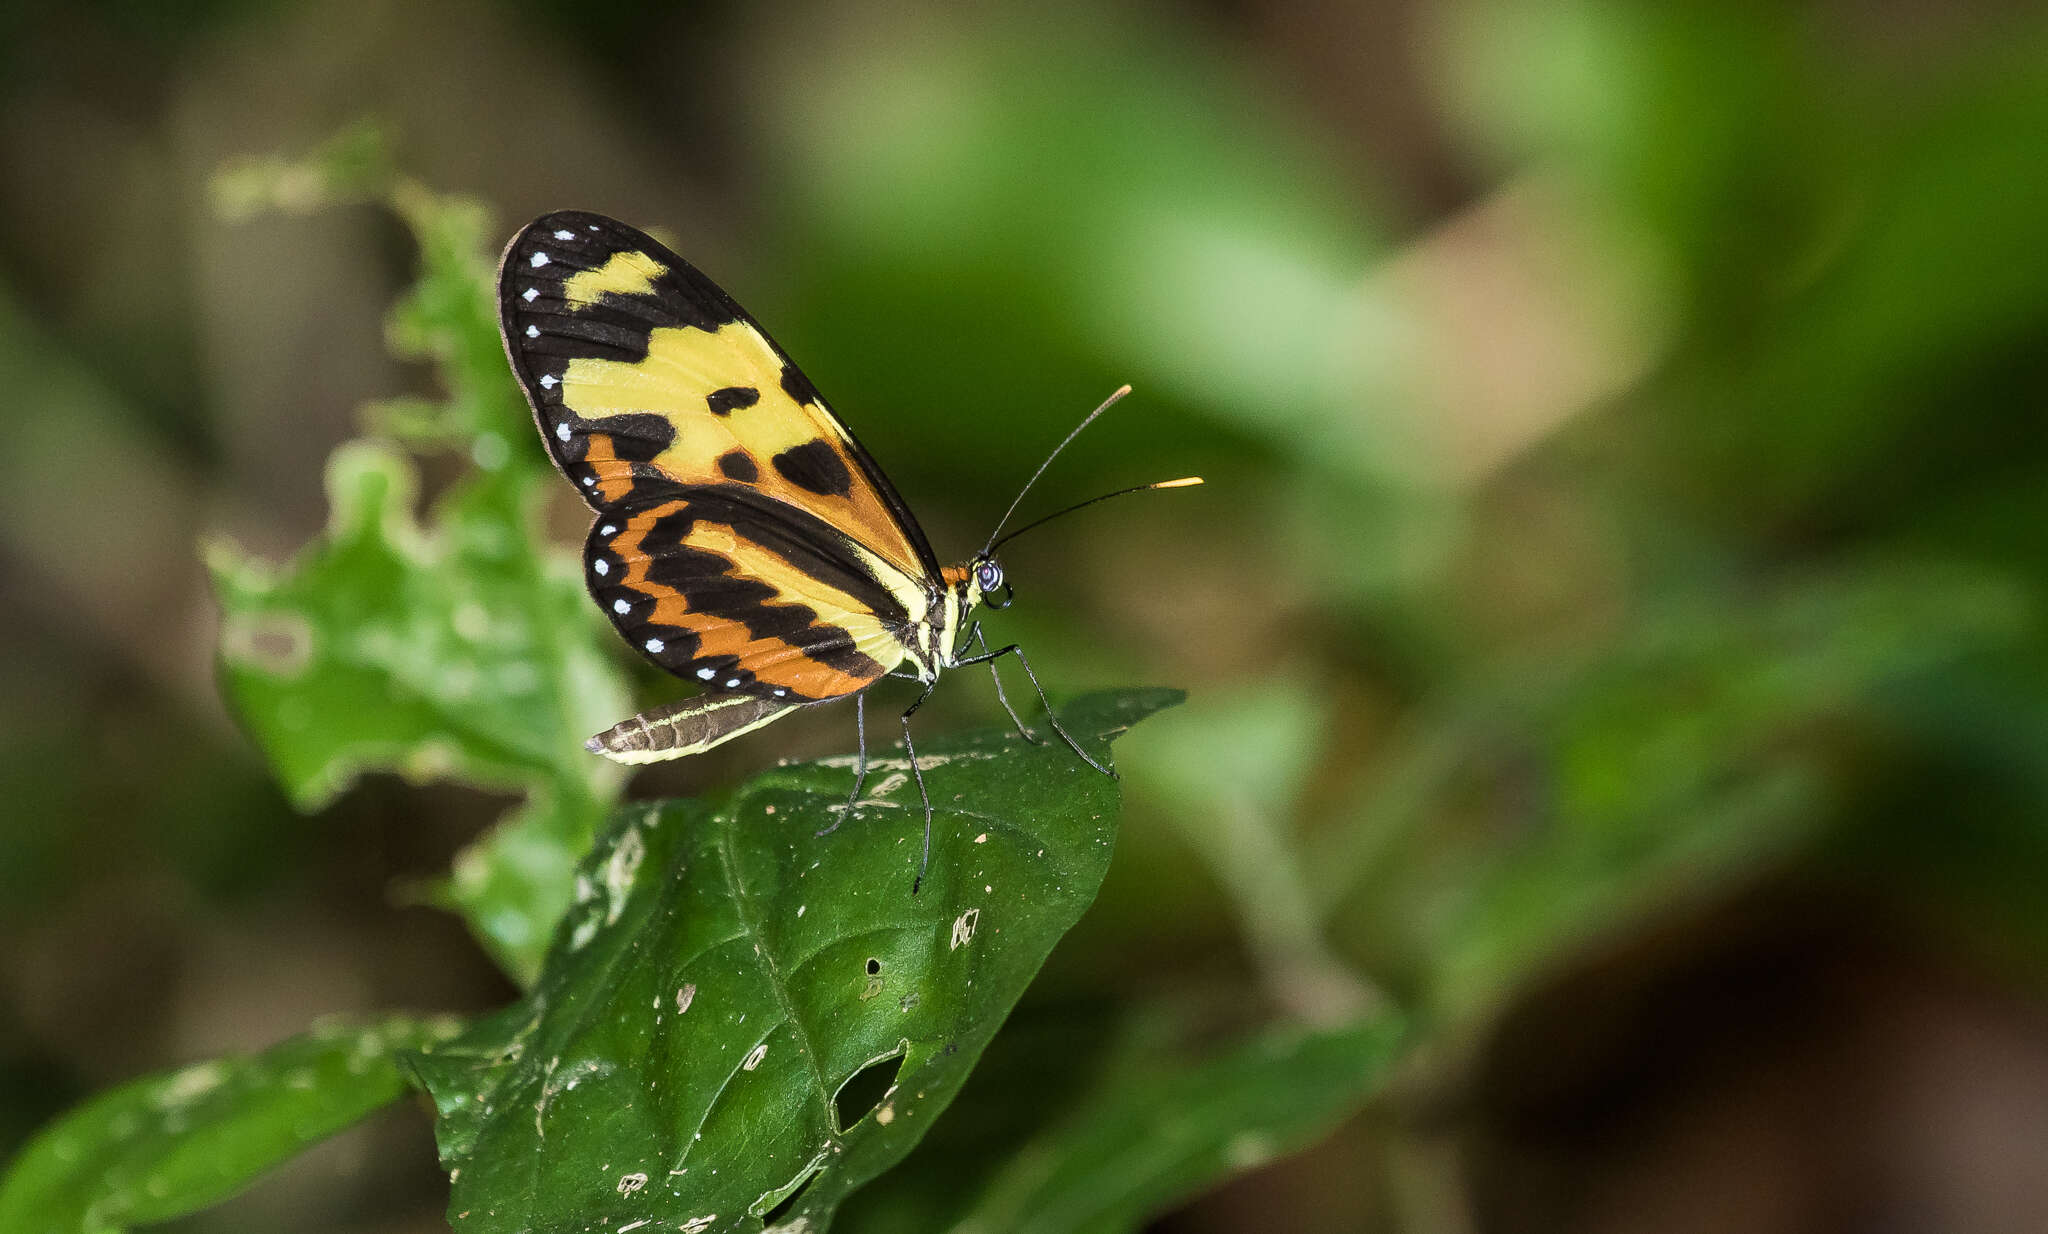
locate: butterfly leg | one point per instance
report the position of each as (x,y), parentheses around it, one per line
(860,766)
(975,638)
(924,861)
(990,657)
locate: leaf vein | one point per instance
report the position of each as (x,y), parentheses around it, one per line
(721,844)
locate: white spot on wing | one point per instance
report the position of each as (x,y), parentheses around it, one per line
(539,260)
(562,431)
(779,692)
(565,235)
(601,566)
(590,482)
(549,381)
(707,673)
(732,683)
(532,294)
(621,607)
(654,646)
(533,331)
(606,530)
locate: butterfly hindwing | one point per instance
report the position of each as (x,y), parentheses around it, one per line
(645,376)
(744,594)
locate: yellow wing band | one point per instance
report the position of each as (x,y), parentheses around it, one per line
(625,274)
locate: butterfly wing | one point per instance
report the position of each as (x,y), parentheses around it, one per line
(645,376)
(745,594)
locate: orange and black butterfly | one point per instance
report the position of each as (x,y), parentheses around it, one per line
(744,540)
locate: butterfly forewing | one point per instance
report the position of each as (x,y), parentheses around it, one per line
(643,373)
(744,540)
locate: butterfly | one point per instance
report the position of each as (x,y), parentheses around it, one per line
(743,539)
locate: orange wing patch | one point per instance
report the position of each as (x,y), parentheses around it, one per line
(613,475)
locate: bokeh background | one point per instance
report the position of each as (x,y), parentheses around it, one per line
(1614,619)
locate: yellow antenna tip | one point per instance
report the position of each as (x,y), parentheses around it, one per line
(1183,482)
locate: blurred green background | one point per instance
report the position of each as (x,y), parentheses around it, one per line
(1614,621)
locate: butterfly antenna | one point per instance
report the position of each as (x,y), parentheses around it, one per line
(1107,403)
(1183,482)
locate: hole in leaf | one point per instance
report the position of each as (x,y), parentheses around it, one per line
(796,1188)
(865,1089)
(874,966)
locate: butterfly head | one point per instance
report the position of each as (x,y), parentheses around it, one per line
(990,587)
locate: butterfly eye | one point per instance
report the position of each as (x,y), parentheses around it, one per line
(988,576)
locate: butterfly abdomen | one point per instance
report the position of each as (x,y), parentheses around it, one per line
(684,728)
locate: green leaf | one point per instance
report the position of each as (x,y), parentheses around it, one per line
(449,317)
(465,649)
(726,972)
(1074,1122)
(170,1144)
(1708,749)
(1709,741)
(456,652)
(1228,771)
(353,164)
(1160,1128)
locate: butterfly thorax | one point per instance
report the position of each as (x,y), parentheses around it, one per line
(944,620)
(963,587)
